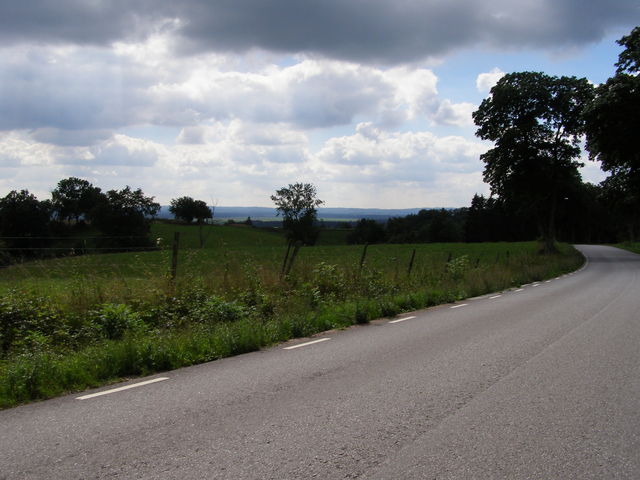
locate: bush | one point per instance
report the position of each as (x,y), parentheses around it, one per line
(113,321)
(329,281)
(458,267)
(24,318)
(215,310)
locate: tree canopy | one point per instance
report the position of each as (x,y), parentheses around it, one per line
(24,220)
(612,126)
(186,209)
(125,216)
(298,203)
(535,121)
(74,198)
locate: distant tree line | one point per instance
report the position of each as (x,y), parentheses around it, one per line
(585,215)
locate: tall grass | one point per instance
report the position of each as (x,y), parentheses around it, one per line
(105,317)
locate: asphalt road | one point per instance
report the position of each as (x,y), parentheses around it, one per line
(539,382)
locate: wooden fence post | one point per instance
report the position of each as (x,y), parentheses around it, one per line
(413,257)
(174,256)
(294,254)
(362,257)
(284,262)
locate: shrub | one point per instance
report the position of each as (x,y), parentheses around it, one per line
(214,310)
(113,321)
(24,316)
(457,267)
(329,281)
(259,302)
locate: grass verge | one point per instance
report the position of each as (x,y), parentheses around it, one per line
(51,347)
(630,246)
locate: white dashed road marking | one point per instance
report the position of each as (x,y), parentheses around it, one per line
(120,389)
(306,343)
(402,319)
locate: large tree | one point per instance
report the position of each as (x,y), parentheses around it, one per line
(186,209)
(124,216)
(24,222)
(613,123)
(74,198)
(535,121)
(298,205)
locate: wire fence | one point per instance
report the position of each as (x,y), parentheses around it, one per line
(174,257)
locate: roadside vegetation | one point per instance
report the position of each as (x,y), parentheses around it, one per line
(77,322)
(630,246)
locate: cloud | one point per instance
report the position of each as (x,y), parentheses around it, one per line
(117,150)
(69,88)
(60,137)
(365,31)
(79,22)
(458,114)
(249,161)
(191,135)
(372,154)
(486,81)
(123,150)
(74,96)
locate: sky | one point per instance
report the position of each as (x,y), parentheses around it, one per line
(227,101)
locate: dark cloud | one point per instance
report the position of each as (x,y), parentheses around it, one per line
(358,30)
(87,22)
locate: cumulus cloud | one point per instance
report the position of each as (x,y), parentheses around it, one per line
(412,156)
(249,161)
(123,150)
(486,81)
(73,96)
(370,31)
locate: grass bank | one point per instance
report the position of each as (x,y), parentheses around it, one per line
(78,322)
(630,246)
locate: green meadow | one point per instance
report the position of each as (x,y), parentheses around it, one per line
(82,320)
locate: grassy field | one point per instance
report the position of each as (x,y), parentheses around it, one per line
(228,267)
(79,321)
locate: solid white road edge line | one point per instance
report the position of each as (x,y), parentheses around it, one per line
(402,319)
(307,343)
(120,389)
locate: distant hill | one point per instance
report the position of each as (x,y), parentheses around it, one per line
(339,214)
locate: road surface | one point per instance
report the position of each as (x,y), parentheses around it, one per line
(537,382)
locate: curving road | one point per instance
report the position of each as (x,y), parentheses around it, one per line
(538,382)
